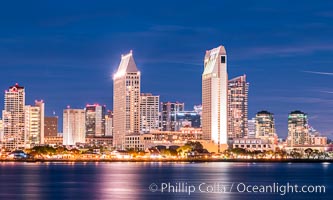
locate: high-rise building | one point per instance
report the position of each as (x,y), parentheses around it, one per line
(41,106)
(126,100)
(215,96)
(298,129)
(13,118)
(168,116)
(238,107)
(109,124)
(265,126)
(34,124)
(95,120)
(73,126)
(251,128)
(149,112)
(51,126)
(1,130)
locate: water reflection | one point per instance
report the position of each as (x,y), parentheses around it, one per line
(132,180)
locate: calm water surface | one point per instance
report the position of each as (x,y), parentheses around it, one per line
(132,180)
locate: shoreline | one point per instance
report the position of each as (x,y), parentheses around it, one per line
(170,160)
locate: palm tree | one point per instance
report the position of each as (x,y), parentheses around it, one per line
(295,154)
(308,152)
(183,150)
(316,153)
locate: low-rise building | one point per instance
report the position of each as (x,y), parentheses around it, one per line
(184,134)
(317,140)
(138,142)
(99,141)
(253,144)
(164,138)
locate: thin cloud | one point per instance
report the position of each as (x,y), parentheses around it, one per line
(327,92)
(320,73)
(283,51)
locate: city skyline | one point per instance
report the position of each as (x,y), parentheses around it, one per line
(73,66)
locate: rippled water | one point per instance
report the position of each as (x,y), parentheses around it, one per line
(132,180)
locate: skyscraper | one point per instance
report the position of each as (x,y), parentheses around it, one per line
(1,130)
(298,128)
(237,107)
(215,96)
(95,120)
(109,124)
(168,116)
(265,126)
(73,126)
(149,112)
(51,126)
(126,100)
(34,124)
(13,118)
(41,105)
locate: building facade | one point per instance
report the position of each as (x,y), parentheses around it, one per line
(1,130)
(34,124)
(99,141)
(13,118)
(53,140)
(95,120)
(149,112)
(168,118)
(215,96)
(238,107)
(73,126)
(41,106)
(253,144)
(109,124)
(251,123)
(163,138)
(298,129)
(317,140)
(126,100)
(51,126)
(138,142)
(265,125)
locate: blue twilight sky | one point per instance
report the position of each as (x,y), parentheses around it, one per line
(65,52)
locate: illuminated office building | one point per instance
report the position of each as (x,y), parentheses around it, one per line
(51,126)
(13,118)
(73,126)
(265,126)
(109,124)
(1,130)
(95,120)
(34,124)
(168,118)
(149,112)
(215,96)
(298,128)
(238,107)
(126,100)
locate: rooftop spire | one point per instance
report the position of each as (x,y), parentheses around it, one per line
(127,64)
